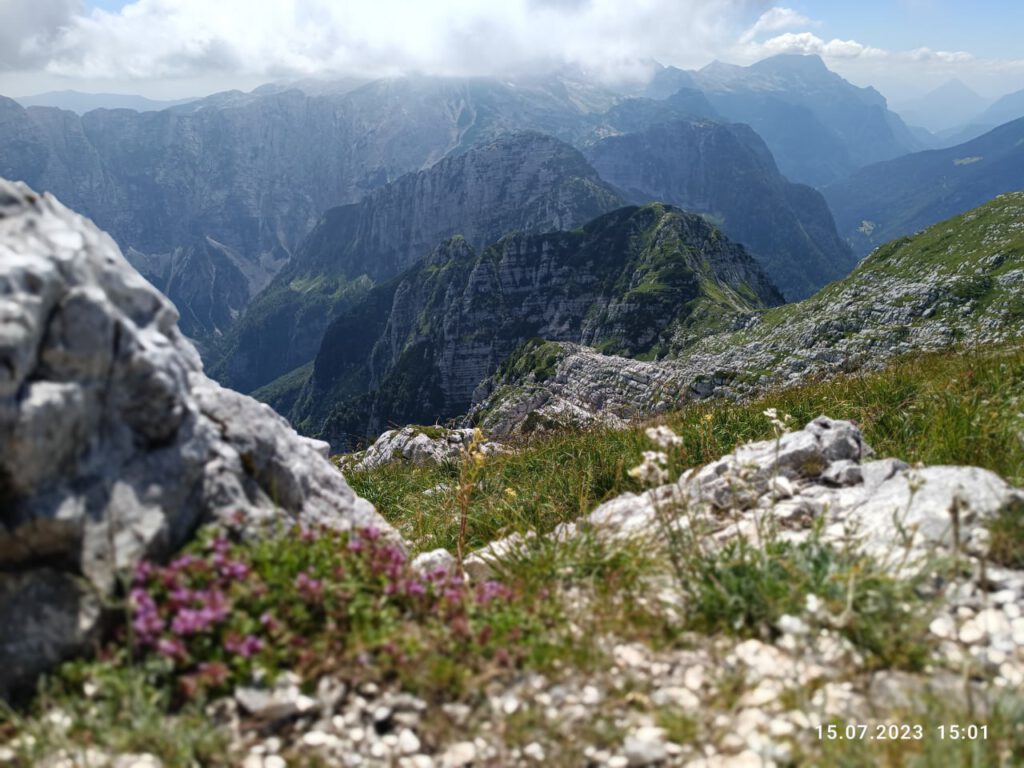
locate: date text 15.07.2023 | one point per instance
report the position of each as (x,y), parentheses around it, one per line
(898,732)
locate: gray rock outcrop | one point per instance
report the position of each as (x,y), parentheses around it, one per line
(824,472)
(587,389)
(420,446)
(113,444)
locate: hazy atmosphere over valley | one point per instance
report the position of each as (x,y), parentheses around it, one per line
(534,383)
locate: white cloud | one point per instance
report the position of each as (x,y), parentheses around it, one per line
(173,48)
(182,38)
(776,19)
(949,57)
(28,29)
(809,43)
(900,73)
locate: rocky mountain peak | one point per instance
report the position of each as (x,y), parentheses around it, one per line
(524,181)
(636,281)
(794,64)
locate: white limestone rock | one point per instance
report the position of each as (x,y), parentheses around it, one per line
(420,446)
(114,446)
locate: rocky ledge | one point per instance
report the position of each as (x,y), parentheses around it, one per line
(420,446)
(822,483)
(113,444)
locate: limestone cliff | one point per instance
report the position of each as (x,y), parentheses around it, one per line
(635,282)
(522,182)
(727,173)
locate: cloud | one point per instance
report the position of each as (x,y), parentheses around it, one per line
(804,42)
(184,38)
(171,48)
(774,20)
(949,57)
(29,29)
(809,43)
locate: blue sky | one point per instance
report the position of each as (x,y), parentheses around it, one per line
(989,27)
(984,27)
(107,5)
(176,48)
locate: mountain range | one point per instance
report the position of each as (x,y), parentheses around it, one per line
(902,196)
(525,181)
(818,126)
(1004,110)
(80,103)
(638,281)
(727,173)
(211,199)
(961,281)
(948,107)
(532,183)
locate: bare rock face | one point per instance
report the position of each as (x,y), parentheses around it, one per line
(889,509)
(420,446)
(824,472)
(113,444)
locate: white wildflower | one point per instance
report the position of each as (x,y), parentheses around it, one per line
(781,423)
(651,471)
(658,457)
(663,437)
(812,604)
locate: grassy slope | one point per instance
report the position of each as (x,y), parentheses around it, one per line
(969,252)
(961,408)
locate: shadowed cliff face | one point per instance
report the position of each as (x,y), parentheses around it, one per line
(905,195)
(523,182)
(638,282)
(727,173)
(211,198)
(819,126)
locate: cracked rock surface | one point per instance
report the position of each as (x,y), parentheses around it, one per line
(114,445)
(420,446)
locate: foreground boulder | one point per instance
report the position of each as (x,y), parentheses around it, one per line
(113,444)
